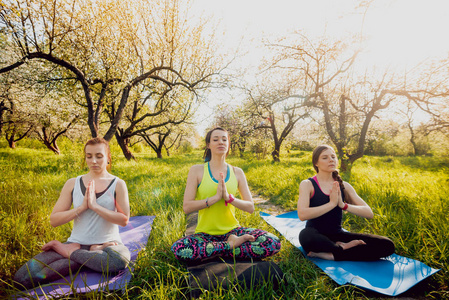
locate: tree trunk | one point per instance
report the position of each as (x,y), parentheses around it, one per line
(10,139)
(276,152)
(345,166)
(123,143)
(11,143)
(159,153)
(53,147)
(412,138)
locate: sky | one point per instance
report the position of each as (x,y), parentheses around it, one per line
(399,34)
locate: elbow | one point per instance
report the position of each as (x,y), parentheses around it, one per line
(53,222)
(251,209)
(302,216)
(370,213)
(186,209)
(124,221)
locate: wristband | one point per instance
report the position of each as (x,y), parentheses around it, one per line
(345,207)
(231,198)
(207,202)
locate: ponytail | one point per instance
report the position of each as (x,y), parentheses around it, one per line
(207,155)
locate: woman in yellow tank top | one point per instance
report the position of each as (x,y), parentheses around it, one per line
(210,190)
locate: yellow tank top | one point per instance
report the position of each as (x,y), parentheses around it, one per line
(218,219)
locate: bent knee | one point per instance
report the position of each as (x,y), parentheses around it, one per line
(389,247)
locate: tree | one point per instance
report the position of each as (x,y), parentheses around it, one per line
(349,102)
(15,118)
(165,137)
(108,48)
(154,105)
(315,67)
(240,125)
(278,110)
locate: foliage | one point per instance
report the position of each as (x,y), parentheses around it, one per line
(111,51)
(408,196)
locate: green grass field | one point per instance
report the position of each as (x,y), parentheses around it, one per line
(407,194)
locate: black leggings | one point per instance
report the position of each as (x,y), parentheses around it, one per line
(375,248)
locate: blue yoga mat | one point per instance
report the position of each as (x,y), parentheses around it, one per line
(134,236)
(390,276)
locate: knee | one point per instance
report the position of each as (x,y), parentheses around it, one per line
(388,247)
(178,246)
(121,264)
(273,242)
(116,263)
(118,257)
(182,251)
(25,276)
(305,237)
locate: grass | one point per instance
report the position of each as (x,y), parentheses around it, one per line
(407,194)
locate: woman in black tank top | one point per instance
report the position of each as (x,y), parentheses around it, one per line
(322,199)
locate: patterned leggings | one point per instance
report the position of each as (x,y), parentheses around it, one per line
(200,246)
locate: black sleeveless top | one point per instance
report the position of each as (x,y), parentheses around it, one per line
(330,222)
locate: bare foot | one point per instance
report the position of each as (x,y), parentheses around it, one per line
(322,255)
(102,246)
(49,246)
(350,244)
(63,249)
(236,241)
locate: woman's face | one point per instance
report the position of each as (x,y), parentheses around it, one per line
(219,142)
(96,157)
(328,161)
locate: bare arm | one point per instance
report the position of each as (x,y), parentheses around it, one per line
(246,203)
(305,212)
(358,206)
(121,216)
(62,213)
(193,180)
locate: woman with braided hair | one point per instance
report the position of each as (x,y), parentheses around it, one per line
(322,200)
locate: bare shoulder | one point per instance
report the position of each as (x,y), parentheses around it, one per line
(238,170)
(348,186)
(121,183)
(196,169)
(70,184)
(306,187)
(195,174)
(306,183)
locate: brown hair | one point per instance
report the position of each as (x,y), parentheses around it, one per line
(96,141)
(316,155)
(207,153)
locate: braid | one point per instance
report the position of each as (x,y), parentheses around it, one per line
(337,177)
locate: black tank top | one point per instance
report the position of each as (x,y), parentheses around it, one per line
(330,222)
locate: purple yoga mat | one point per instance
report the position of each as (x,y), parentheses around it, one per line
(134,236)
